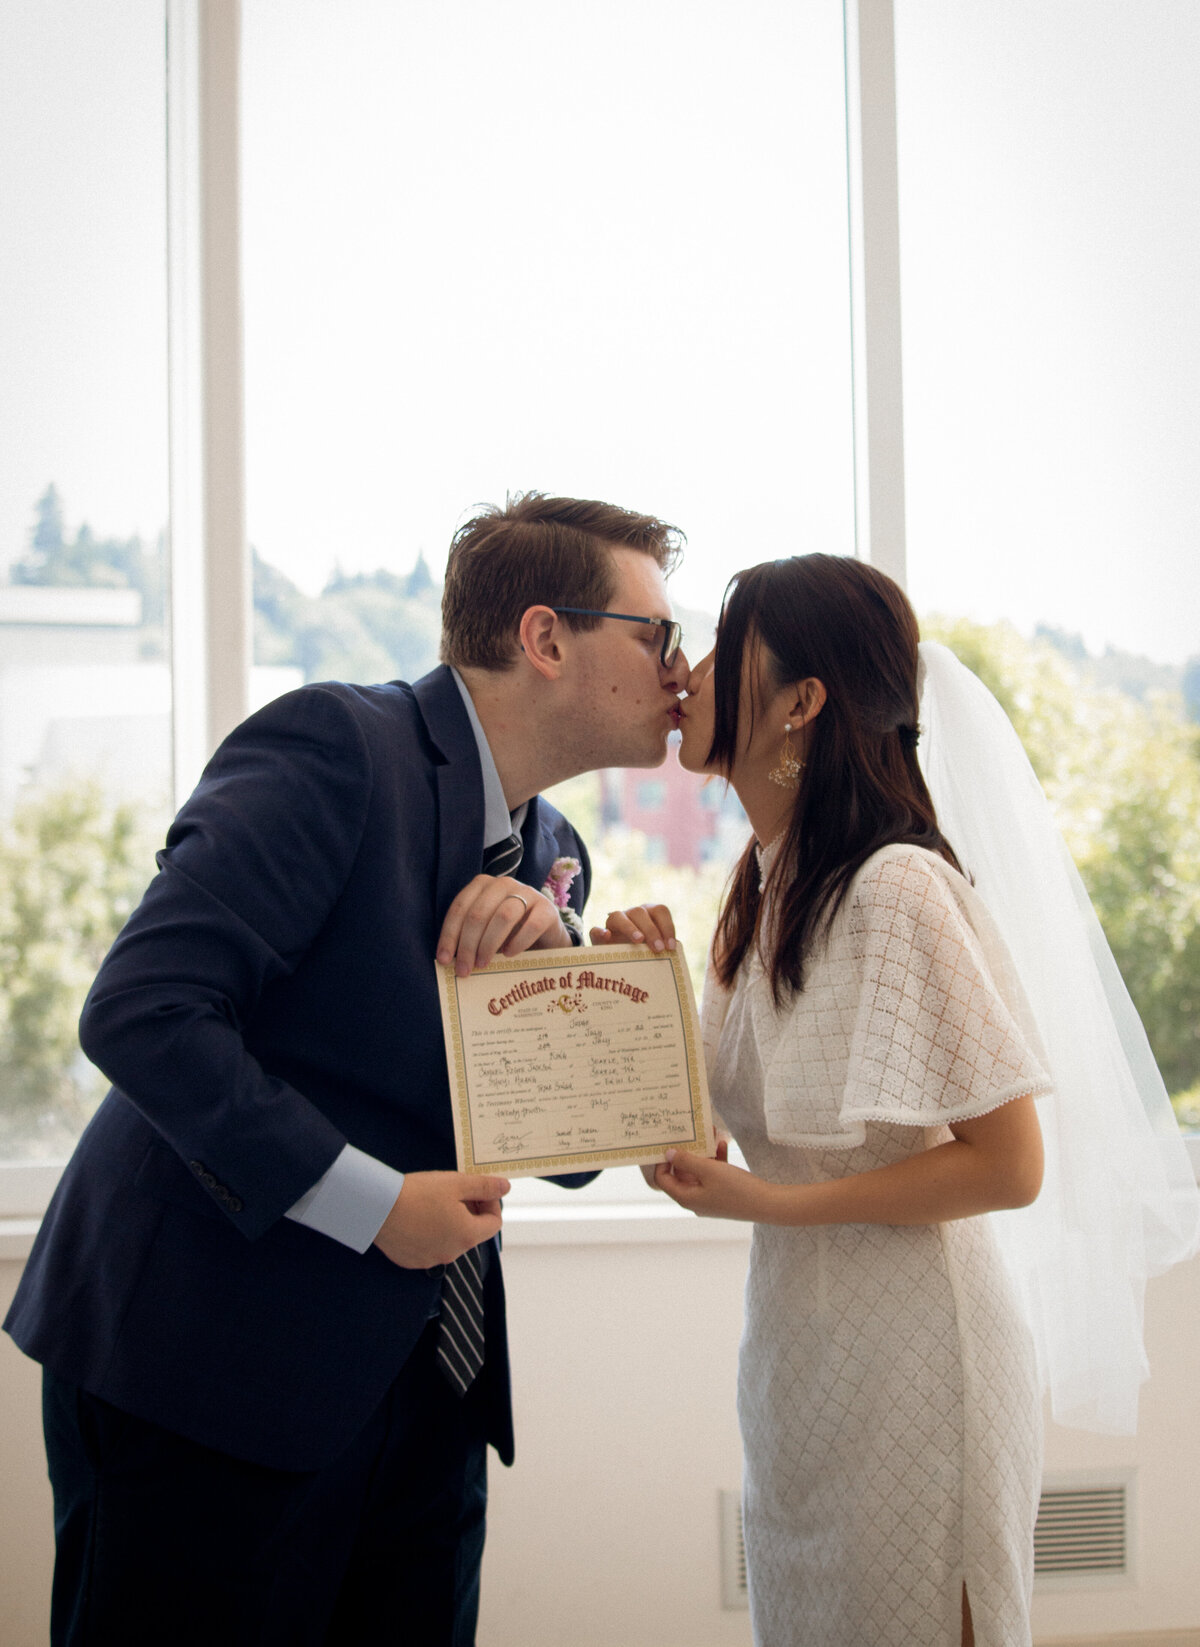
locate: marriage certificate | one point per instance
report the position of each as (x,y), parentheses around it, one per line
(565,1059)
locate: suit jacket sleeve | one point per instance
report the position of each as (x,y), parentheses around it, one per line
(252,866)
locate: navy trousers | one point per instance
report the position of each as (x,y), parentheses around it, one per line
(161,1541)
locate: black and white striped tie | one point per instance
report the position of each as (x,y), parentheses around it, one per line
(502,857)
(460,1336)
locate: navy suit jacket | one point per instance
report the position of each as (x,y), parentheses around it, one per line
(271,998)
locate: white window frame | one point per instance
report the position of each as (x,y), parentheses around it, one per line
(209,558)
(209,562)
(211,596)
(211,609)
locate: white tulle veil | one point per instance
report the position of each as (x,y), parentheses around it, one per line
(1119,1202)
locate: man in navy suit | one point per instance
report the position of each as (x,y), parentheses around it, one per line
(269,1310)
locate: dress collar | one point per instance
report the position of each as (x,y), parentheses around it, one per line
(767,856)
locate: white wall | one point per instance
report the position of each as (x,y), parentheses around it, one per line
(605,1533)
(26,1523)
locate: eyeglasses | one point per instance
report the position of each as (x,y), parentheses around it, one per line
(672,633)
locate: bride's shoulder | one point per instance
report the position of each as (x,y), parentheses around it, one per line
(902,873)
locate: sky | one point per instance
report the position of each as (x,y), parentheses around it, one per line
(500,244)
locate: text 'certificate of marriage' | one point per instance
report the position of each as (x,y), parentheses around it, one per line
(564,1059)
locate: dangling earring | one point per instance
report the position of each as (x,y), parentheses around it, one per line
(787,773)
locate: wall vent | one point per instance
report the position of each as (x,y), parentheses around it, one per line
(1081,1539)
(735,1597)
(1082,1534)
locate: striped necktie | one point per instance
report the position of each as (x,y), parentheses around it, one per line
(502,857)
(460,1332)
(460,1335)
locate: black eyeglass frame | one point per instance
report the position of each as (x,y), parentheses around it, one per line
(672,632)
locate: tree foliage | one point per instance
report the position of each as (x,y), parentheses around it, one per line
(56,558)
(371,627)
(1123,775)
(71,868)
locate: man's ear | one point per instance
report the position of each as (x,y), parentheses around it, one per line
(540,633)
(810,700)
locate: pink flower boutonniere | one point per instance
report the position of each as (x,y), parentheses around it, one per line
(557,888)
(558,882)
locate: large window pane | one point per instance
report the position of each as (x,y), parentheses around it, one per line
(84,677)
(591,249)
(597,250)
(1050,263)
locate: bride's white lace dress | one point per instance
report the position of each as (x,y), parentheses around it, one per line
(887,1392)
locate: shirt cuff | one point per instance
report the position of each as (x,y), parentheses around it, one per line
(350,1202)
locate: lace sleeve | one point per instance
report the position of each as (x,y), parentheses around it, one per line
(942,1032)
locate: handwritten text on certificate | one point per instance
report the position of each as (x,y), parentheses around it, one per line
(566,1059)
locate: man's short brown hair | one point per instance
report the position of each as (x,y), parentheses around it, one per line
(536,551)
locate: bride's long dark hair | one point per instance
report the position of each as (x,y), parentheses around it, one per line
(848,625)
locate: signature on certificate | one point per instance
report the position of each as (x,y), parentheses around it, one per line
(510,1143)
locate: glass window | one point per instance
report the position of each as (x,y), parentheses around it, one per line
(85,693)
(595,250)
(1050,260)
(650,795)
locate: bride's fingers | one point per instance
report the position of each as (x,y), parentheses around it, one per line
(686,1170)
(655,924)
(645,924)
(621,927)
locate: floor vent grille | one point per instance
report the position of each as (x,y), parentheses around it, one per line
(1081,1530)
(735,1596)
(1081,1536)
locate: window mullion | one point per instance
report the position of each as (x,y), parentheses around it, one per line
(872,195)
(210,575)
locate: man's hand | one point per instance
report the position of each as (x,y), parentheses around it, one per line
(438,1216)
(647,924)
(495,915)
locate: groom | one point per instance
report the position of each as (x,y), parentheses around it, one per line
(270,1313)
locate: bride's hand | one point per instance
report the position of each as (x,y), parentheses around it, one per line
(713,1188)
(647,924)
(649,1173)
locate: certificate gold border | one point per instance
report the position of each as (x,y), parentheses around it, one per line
(541,960)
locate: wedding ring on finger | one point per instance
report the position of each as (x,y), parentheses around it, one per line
(519,899)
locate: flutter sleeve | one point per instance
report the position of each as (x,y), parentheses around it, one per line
(941,1031)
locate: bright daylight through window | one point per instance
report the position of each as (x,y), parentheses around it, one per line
(603,251)
(85,690)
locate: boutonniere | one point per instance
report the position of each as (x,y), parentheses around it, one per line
(558,882)
(557,888)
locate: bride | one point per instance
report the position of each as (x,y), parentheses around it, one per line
(873,1053)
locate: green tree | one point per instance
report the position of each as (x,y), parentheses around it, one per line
(71,869)
(88,561)
(1191,688)
(46,539)
(366,627)
(1121,770)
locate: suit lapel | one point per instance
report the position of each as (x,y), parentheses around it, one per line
(459,784)
(460,797)
(541,848)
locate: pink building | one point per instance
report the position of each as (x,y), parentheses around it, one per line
(684,818)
